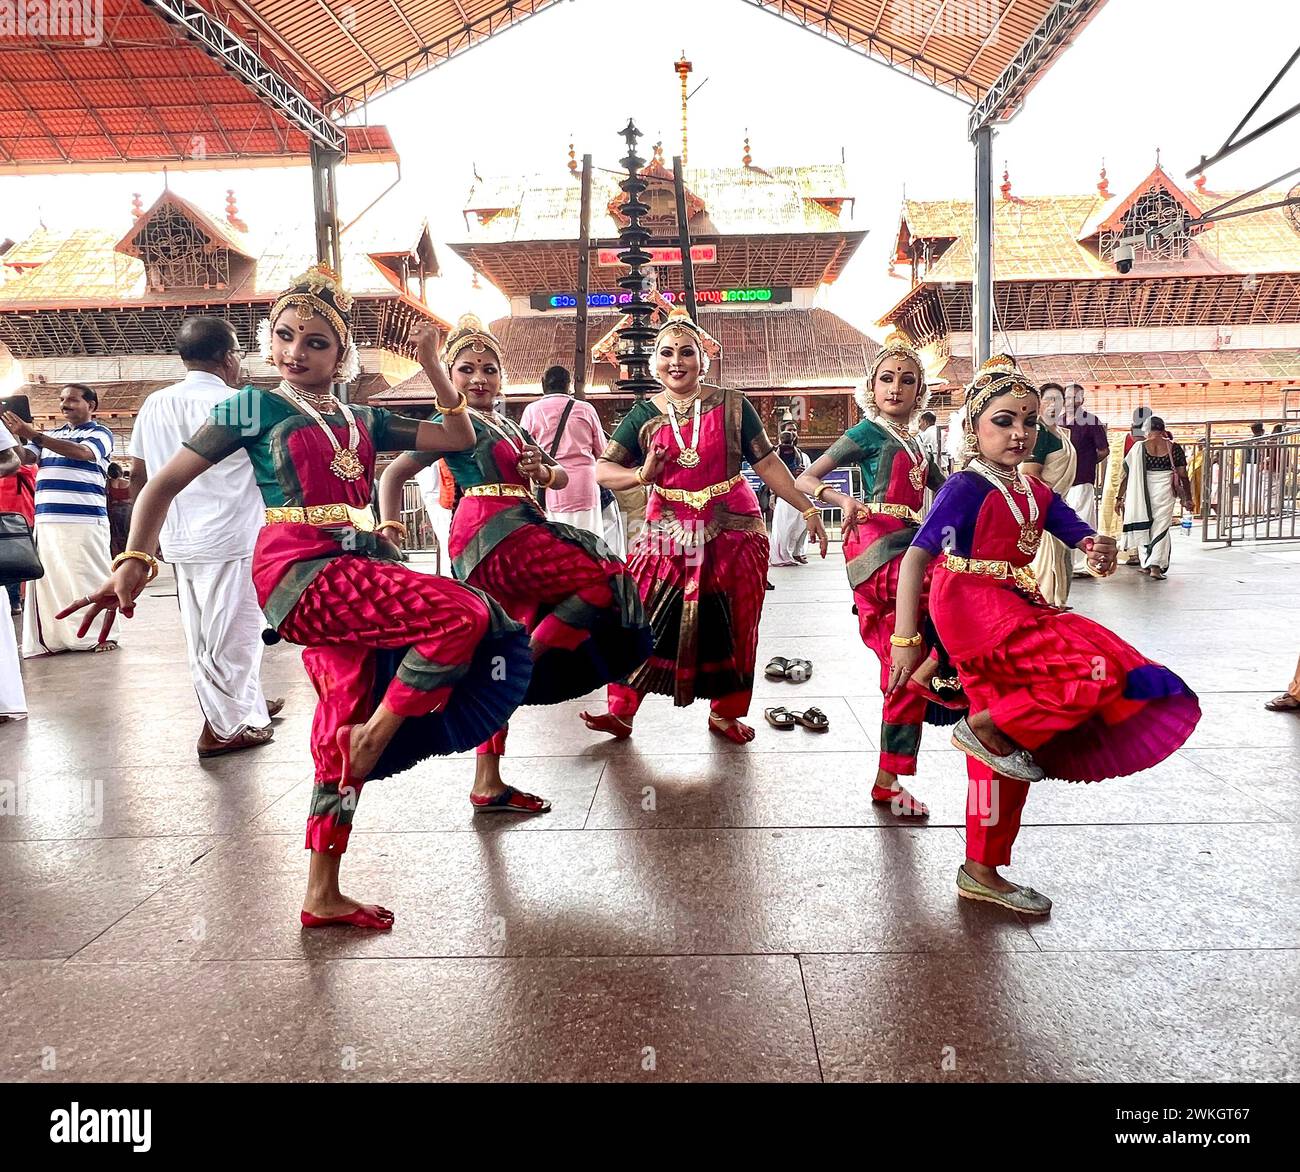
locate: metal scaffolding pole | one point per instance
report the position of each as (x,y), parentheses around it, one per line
(324,197)
(584,285)
(684,239)
(982,315)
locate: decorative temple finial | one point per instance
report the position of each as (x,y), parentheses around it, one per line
(573,160)
(1157,156)
(1103,185)
(137,206)
(1006,181)
(1200,184)
(748,157)
(683,70)
(659,153)
(232,211)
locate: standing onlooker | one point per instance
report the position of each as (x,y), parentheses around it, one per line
(1288,701)
(927,435)
(954,446)
(208,538)
(1088,437)
(13,702)
(119,509)
(1053,461)
(438,492)
(569,430)
(71,521)
(1155,479)
(789,532)
(18,495)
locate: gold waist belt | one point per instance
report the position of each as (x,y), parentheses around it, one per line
(1023,576)
(362,519)
(902,512)
(501,490)
(698,498)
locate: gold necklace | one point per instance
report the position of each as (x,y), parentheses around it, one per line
(346,463)
(687,457)
(681,406)
(1027,542)
(916,474)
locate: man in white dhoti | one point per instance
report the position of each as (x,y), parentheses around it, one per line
(1088,437)
(208,538)
(72,534)
(789,530)
(13,701)
(431,485)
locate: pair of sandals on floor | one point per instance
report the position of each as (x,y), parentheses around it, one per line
(796,671)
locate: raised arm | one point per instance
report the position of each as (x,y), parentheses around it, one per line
(455,433)
(29,433)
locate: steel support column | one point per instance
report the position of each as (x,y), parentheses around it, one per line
(982,301)
(324,198)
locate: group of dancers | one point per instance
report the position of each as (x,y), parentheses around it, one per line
(408,665)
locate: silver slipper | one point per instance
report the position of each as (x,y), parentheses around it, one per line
(1018,765)
(1023,899)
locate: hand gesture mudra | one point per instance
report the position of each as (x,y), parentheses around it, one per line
(817,532)
(1102,554)
(118,593)
(427,340)
(903,661)
(655,461)
(531,462)
(854,511)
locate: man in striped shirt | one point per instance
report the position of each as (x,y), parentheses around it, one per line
(72,535)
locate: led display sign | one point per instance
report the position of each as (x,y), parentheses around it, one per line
(701,254)
(776,296)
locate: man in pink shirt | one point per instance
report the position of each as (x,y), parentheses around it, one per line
(582,439)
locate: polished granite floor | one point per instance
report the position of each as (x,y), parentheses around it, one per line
(689,910)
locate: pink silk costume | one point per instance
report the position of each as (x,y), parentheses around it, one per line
(573,596)
(700,565)
(438,652)
(1080,699)
(873,554)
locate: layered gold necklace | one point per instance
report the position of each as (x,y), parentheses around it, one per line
(687,456)
(1004,482)
(916,474)
(346,463)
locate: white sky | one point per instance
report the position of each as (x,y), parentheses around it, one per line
(1144,74)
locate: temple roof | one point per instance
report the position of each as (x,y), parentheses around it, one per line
(790,348)
(737,200)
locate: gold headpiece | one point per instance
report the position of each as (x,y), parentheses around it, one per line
(897,346)
(472,333)
(679,320)
(319,291)
(996,376)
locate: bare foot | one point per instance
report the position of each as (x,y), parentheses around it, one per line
(988,876)
(607,722)
(990,736)
(731,728)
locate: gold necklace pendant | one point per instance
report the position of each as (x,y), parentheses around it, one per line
(1029,538)
(688,457)
(917,476)
(347,465)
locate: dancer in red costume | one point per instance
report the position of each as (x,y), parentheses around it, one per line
(406,665)
(1040,680)
(700,563)
(570,592)
(877,532)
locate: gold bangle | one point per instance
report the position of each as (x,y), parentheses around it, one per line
(821,488)
(398,525)
(550,475)
(460,409)
(809,513)
(640,476)
(908,641)
(135,555)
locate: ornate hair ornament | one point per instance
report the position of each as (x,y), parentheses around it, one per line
(470,333)
(998,376)
(679,321)
(896,345)
(318,291)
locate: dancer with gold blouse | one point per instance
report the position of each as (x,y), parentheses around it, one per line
(700,562)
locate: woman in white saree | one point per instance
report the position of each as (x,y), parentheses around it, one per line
(1154,483)
(1053,462)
